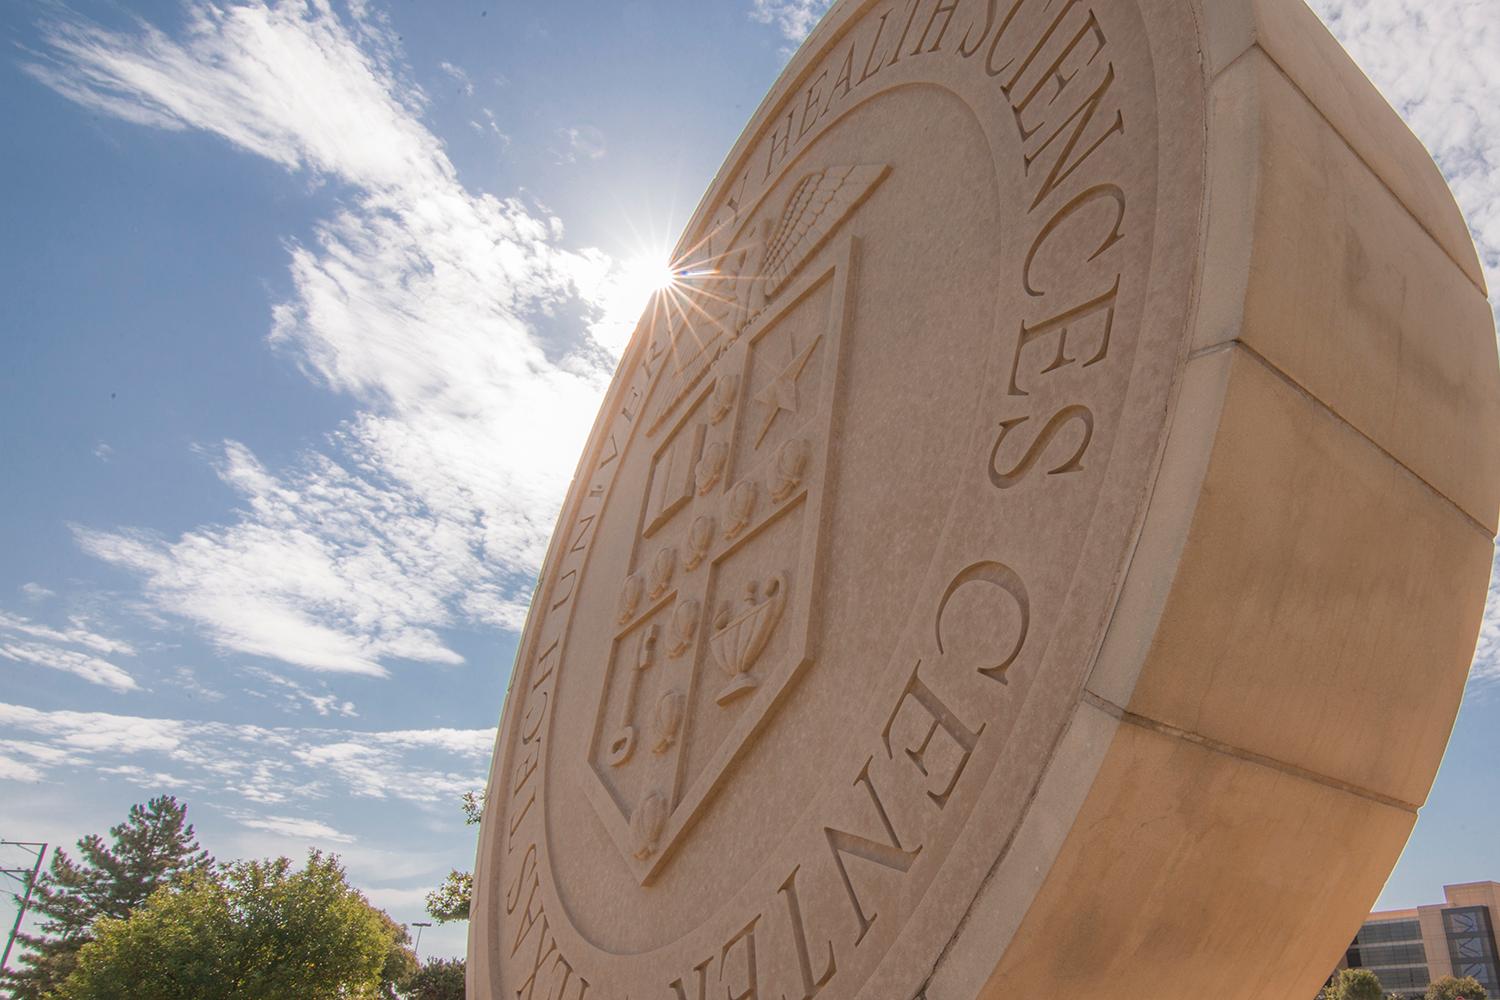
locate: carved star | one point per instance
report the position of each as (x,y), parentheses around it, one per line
(781,392)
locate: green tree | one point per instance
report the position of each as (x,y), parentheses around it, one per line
(249,930)
(1354,984)
(438,979)
(109,880)
(450,901)
(1449,988)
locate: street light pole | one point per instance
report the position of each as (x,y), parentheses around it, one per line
(416,949)
(27,877)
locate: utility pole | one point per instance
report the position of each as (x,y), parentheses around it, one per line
(27,878)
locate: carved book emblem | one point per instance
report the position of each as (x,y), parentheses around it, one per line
(731,460)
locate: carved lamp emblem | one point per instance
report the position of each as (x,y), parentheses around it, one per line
(740,636)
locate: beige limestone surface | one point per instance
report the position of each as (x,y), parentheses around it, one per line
(1038,546)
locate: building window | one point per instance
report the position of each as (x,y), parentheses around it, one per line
(1471,945)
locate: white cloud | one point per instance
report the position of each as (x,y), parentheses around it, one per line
(25,641)
(292,826)
(465,85)
(795,18)
(36,592)
(418,298)
(90,668)
(77,634)
(296,696)
(14,770)
(581,142)
(186,679)
(275,765)
(1438,66)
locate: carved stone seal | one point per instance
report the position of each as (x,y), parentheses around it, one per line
(1042,553)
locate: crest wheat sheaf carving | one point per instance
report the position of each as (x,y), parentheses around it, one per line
(1036,550)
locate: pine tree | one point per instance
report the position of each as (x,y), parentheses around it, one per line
(154,844)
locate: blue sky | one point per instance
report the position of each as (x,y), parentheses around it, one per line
(307,309)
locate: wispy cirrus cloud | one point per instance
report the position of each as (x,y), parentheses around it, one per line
(259,764)
(293,826)
(419,298)
(795,18)
(295,696)
(76,650)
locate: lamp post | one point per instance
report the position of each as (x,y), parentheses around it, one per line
(416,949)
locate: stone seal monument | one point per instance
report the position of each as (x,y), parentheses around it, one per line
(1036,551)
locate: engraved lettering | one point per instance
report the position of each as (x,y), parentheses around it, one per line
(572,575)
(867,72)
(1061,324)
(614,453)
(810,987)
(1107,191)
(1054,73)
(942,717)
(945,10)
(910,18)
(784,143)
(814,99)
(990,68)
(846,77)
(702,970)
(1037,48)
(1006,579)
(530,917)
(513,894)
(751,990)
(515,824)
(546,946)
(747,935)
(527,735)
(1074,463)
(584,524)
(1061,169)
(526,767)
(889,855)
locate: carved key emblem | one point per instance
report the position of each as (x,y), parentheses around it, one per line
(731,457)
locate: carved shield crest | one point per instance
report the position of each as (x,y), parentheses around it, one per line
(715,610)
